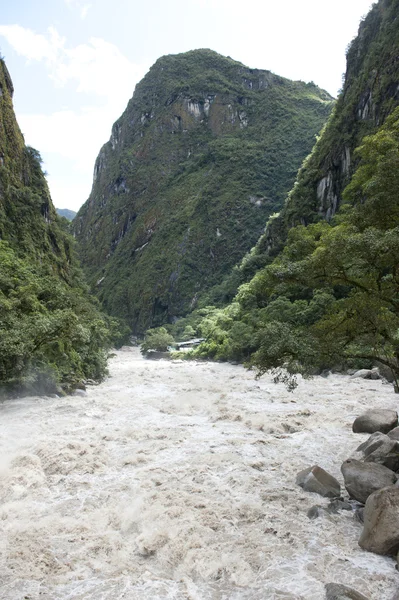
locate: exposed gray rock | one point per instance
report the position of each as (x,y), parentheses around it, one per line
(366,374)
(81,393)
(396,594)
(337,591)
(359,514)
(155,354)
(386,372)
(314,512)
(381,449)
(381,522)
(362,479)
(394,434)
(317,480)
(335,505)
(376,420)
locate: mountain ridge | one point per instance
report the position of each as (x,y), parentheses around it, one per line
(204,152)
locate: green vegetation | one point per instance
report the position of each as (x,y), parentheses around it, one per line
(369,95)
(205,152)
(157,339)
(330,299)
(67,213)
(52,333)
(319,290)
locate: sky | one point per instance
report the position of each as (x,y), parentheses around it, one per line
(75,63)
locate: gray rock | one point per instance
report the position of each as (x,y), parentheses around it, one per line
(366,374)
(337,504)
(386,372)
(81,393)
(314,512)
(337,591)
(396,594)
(376,420)
(381,522)
(156,355)
(381,449)
(333,508)
(394,434)
(362,479)
(317,480)
(359,514)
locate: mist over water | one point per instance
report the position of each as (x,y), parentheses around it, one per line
(176,480)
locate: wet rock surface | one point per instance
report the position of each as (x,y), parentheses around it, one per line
(394,434)
(337,591)
(317,480)
(375,420)
(381,522)
(381,449)
(367,374)
(362,479)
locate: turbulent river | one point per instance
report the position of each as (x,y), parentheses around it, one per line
(176,480)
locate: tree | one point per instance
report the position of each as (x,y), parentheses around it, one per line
(332,295)
(157,339)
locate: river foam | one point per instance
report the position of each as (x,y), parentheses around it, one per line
(176,480)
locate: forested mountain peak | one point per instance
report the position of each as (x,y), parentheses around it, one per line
(205,151)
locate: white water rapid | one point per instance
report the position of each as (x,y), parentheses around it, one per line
(176,480)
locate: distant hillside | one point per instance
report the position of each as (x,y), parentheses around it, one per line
(205,151)
(51,332)
(65,212)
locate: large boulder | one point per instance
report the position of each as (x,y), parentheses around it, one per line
(375,420)
(317,480)
(380,449)
(337,591)
(362,479)
(367,374)
(381,522)
(394,434)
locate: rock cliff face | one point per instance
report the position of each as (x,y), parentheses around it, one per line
(369,95)
(203,154)
(27,215)
(50,331)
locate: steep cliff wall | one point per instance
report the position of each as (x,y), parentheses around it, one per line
(205,151)
(51,333)
(370,93)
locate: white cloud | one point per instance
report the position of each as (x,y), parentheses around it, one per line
(97,68)
(82,8)
(32,45)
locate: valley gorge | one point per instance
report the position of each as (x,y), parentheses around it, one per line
(256,220)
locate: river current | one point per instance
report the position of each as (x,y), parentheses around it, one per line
(176,480)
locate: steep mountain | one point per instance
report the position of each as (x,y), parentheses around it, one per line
(370,93)
(204,153)
(51,332)
(67,213)
(326,282)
